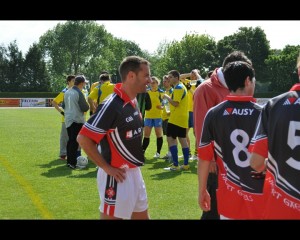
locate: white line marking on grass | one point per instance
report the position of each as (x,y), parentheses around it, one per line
(37,202)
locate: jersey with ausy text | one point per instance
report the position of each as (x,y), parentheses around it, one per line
(278,138)
(117,123)
(226,134)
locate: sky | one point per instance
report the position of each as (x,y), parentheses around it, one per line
(149,34)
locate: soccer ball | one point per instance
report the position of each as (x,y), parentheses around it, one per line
(82,162)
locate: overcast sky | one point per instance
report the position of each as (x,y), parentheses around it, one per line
(148,34)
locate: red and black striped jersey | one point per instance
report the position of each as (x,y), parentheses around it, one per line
(278,137)
(226,134)
(117,123)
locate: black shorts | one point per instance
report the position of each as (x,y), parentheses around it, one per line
(175,131)
(165,126)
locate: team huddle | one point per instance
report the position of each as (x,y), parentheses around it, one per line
(248,155)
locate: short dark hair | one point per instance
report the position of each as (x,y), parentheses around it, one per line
(79,79)
(131,63)
(174,73)
(235,74)
(236,56)
(104,77)
(69,78)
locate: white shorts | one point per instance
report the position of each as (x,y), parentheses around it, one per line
(122,199)
(222,217)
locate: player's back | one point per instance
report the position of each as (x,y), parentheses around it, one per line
(231,126)
(106,89)
(283,128)
(236,120)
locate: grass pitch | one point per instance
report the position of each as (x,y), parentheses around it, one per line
(36,184)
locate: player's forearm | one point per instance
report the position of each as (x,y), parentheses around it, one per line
(92,104)
(90,148)
(170,100)
(55,105)
(203,170)
(184,75)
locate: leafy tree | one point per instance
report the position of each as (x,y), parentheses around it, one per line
(3,69)
(193,51)
(14,68)
(69,47)
(99,61)
(119,50)
(281,67)
(253,42)
(158,67)
(111,56)
(83,47)
(35,75)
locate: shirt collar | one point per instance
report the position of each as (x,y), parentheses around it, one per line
(296,87)
(240,98)
(122,94)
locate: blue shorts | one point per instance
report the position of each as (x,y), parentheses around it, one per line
(153,122)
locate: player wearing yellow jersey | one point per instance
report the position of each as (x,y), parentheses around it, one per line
(153,117)
(99,93)
(178,121)
(95,84)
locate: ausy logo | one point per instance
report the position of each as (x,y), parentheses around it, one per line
(236,111)
(133,133)
(292,101)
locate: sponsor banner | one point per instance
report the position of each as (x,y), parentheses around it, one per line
(9,102)
(262,101)
(49,102)
(33,102)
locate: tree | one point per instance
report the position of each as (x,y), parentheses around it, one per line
(119,50)
(253,42)
(83,47)
(158,67)
(193,51)
(281,68)
(35,75)
(14,68)
(69,47)
(3,69)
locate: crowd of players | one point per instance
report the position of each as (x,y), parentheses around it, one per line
(250,153)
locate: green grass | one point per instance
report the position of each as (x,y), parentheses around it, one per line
(35,184)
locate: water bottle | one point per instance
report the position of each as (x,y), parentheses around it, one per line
(166,105)
(164,102)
